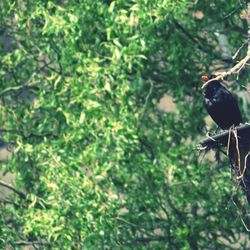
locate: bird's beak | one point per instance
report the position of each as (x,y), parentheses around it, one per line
(204,78)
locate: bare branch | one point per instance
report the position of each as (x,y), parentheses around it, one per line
(240,65)
(248,24)
(21,194)
(241,47)
(236,69)
(27,243)
(146,103)
(6,201)
(222,138)
(232,12)
(245,167)
(17,88)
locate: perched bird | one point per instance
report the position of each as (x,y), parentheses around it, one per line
(221,104)
(223,108)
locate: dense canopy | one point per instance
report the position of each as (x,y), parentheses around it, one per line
(95,163)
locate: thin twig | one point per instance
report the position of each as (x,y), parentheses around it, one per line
(234,70)
(21,194)
(240,215)
(228,141)
(245,166)
(248,24)
(127,222)
(244,224)
(232,12)
(237,147)
(208,136)
(189,35)
(17,88)
(6,201)
(26,243)
(146,103)
(240,48)
(222,138)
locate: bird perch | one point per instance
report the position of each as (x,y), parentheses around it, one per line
(243,132)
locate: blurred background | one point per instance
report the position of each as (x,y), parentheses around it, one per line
(101,112)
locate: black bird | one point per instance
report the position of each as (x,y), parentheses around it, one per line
(221,104)
(223,108)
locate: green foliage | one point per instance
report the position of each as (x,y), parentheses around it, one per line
(99,165)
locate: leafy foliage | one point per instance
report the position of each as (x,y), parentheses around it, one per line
(97,165)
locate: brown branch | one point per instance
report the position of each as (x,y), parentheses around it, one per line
(234,70)
(241,47)
(241,64)
(245,167)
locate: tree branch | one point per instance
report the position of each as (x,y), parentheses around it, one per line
(145,104)
(9,202)
(236,69)
(17,88)
(243,131)
(26,243)
(196,40)
(21,194)
(248,24)
(240,65)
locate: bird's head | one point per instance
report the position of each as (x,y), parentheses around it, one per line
(206,78)
(212,87)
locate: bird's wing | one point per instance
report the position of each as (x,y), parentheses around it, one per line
(231,101)
(223,108)
(229,105)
